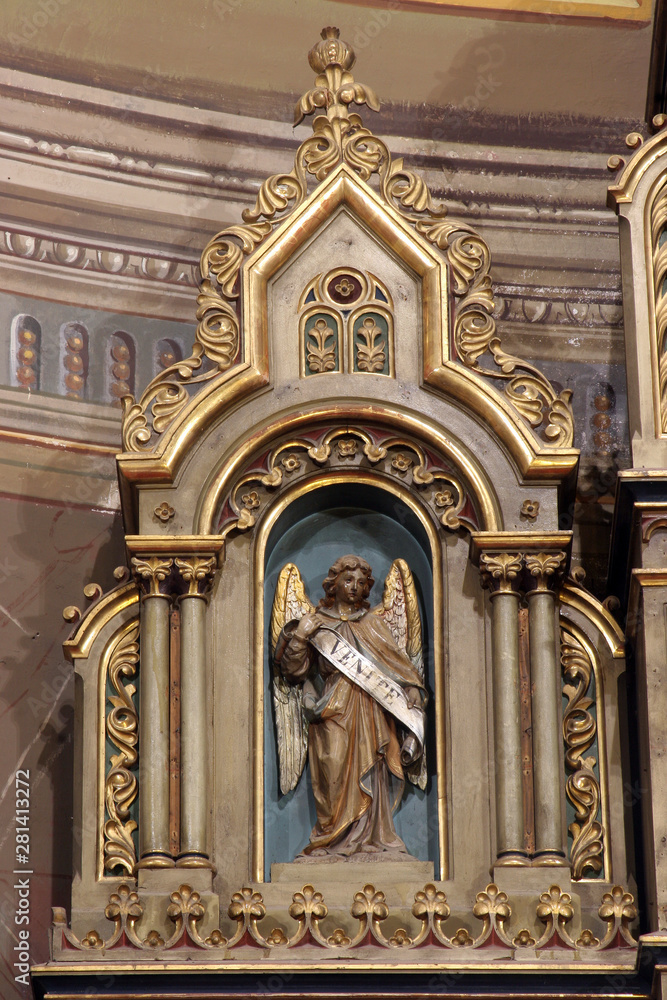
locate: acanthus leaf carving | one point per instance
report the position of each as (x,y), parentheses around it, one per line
(582,786)
(120,784)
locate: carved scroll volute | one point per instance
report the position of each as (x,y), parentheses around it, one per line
(582,786)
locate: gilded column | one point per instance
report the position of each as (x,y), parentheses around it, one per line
(544,569)
(500,573)
(154,847)
(197,574)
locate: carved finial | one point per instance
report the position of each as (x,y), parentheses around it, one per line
(331,52)
(334,88)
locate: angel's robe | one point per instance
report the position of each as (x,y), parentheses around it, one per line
(354,751)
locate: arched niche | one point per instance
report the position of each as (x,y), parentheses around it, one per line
(313,529)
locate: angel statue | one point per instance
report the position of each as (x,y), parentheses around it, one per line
(348,688)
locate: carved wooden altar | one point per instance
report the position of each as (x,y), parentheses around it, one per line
(347,382)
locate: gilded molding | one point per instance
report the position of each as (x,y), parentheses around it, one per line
(650,523)
(646,153)
(121,728)
(387,421)
(105,608)
(574,597)
(583,789)
(657,269)
(349,447)
(308,909)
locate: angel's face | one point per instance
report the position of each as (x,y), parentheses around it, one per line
(351,587)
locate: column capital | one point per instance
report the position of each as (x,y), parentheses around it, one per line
(152,573)
(501,570)
(175,565)
(542,558)
(544,570)
(197,572)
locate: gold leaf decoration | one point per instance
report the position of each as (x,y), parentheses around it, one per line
(120,784)
(339,137)
(582,786)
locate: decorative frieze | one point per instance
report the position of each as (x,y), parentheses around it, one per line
(108,259)
(427,926)
(345,447)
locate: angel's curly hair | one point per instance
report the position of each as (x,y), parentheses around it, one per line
(341,564)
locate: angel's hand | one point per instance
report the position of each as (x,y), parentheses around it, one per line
(413,697)
(308,625)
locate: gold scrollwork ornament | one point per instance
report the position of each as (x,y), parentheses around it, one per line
(120,784)
(340,137)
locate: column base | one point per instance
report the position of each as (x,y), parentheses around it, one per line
(512,859)
(549,859)
(194,860)
(155,859)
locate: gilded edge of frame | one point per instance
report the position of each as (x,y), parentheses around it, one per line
(264,965)
(600,720)
(578,599)
(264,528)
(410,424)
(79,643)
(108,651)
(623,190)
(533,459)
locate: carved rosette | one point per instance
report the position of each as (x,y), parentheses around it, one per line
(347,448)
(120,783)
(340,137)
(579,733)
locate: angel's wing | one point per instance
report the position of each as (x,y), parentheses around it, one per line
(400,611)
(290,601)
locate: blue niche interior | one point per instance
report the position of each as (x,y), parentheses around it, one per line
(312,533)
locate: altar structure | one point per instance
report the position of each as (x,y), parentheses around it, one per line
(348,391)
